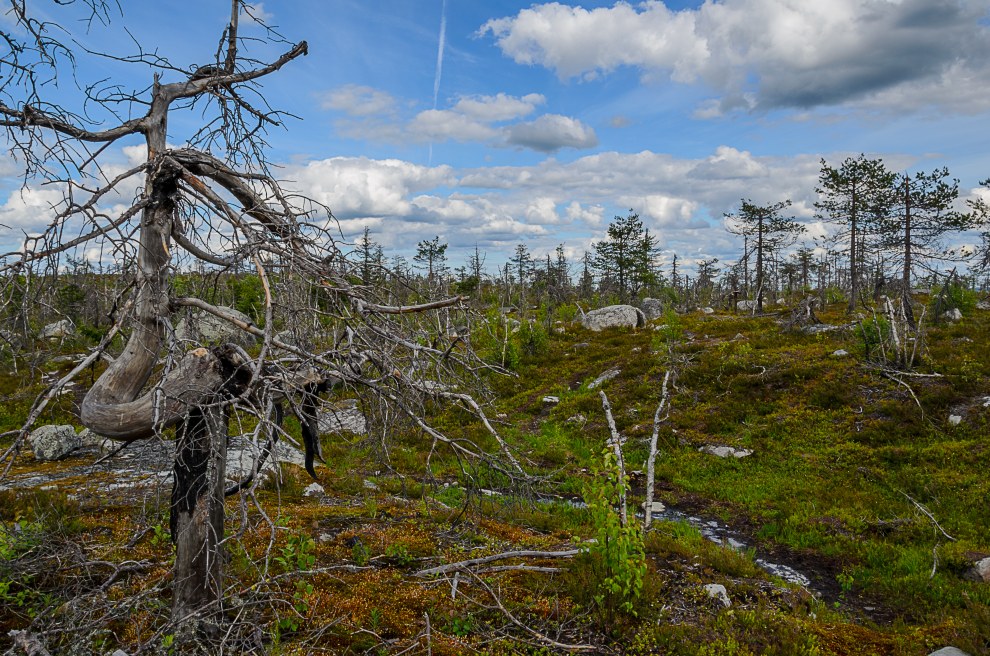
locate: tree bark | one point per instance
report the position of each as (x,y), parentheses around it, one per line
(196,520)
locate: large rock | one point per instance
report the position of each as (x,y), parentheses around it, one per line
(949,651)
(243,452)
(345,417)
(746,305)
(54,442)
(952,315)
(614,316)
(203,327)
(58,330)
(652,308)
(980,571)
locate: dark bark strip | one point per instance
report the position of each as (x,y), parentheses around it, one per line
(197,516)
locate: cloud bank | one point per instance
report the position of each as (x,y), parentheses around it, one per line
(769,54)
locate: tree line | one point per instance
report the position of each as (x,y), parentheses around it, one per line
(890,231)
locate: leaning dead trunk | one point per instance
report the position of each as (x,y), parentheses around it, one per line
(197,520)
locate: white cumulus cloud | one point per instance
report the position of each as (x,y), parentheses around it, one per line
(771,53)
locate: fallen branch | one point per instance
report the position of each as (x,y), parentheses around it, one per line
(465,565)
(927,513)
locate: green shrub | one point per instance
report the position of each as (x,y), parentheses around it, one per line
(533,339)
(617,557)
(953,295)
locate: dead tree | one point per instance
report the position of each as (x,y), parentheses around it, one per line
(213,202)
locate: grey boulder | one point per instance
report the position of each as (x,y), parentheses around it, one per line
(980,571)
(204,327)
(343,417)
(652,308)
(614,316)
(58,330)
(725,451)
(952,315)
(53,442)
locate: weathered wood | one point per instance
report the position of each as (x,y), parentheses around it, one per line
(197,375)
(466,564)
(197,516)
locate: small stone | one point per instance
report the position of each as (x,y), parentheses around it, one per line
(120,652)
(717,591)
(577,419)
(551,400)
(369,485)
(738,337)
(53,442)
(560,330)
(707,310)
(314,490)
(983,305)
(581,345)
(636,349)
(955,420)
(841,353)
(725,451)
(949,651)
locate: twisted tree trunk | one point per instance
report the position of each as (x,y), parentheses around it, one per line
(196,521)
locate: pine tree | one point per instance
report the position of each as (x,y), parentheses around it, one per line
(770,232)
(431,255)
(625,258)
(856,194)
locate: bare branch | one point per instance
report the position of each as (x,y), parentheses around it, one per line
(467,564)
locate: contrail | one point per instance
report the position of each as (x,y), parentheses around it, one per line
(443,39)
(440,45)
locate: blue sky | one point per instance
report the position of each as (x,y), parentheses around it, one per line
(551,118)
